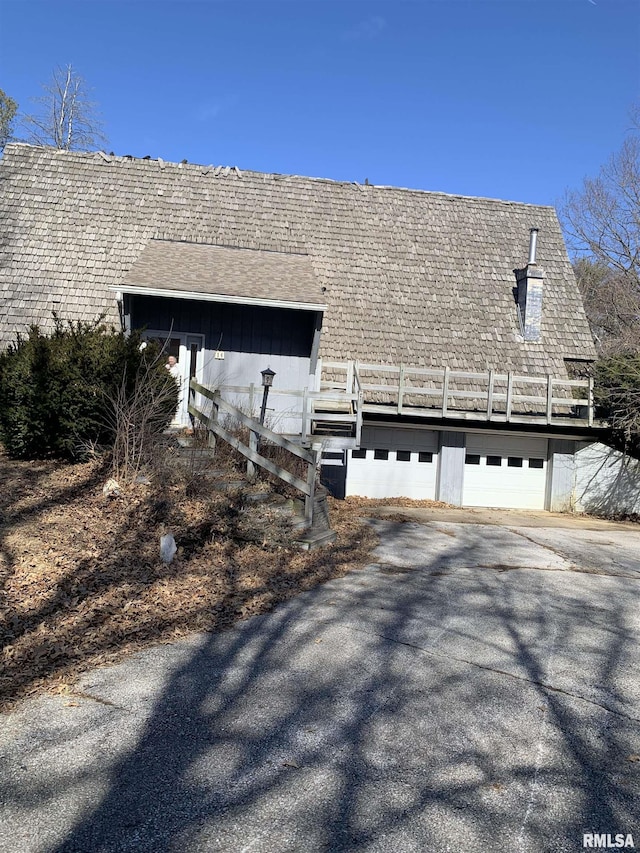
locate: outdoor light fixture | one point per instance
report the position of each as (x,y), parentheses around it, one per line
(267,377)
(267,382)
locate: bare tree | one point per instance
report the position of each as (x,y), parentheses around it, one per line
(617,380)
(8,109)
(602,224)
(612,302)
(67,118)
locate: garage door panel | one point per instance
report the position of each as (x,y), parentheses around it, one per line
(399,439)
(505,471)
(393,477)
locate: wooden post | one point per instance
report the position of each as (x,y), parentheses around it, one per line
(305,402)
(360,404)
(254,438)
(253,445)
(590,402)
(445,391)
(211,438)
(348,386)
(549,398)
(316,450)
(509,393)
(490,394)
(400,389)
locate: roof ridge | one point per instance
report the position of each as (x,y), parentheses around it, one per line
(110,159)
(228,246)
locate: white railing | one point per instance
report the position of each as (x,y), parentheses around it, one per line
(251,451)
(445,393)
(307,411)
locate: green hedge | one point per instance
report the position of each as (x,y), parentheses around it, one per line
(56,390)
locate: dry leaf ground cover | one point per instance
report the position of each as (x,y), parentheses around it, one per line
(82,583)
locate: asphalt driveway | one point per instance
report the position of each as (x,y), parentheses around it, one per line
(476,689)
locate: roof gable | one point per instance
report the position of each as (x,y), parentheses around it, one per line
(408,276)
(253,276)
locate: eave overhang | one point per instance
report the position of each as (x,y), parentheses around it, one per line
(143,290)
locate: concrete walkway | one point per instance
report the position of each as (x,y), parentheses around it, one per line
(477,688)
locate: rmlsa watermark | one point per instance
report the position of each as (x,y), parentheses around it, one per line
(604,840)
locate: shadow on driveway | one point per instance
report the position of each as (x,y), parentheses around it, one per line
(442,700)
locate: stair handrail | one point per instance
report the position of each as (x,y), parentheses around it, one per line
(359,401)
(211,422)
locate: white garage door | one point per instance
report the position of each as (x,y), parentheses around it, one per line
(394,463)
(505,471)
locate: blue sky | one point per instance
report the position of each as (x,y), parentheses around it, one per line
(515,99)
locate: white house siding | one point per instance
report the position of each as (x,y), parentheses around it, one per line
(606,481)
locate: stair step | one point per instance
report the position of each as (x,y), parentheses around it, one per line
(320,428)
(313,539)
(229,485)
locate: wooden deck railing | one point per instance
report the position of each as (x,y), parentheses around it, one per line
(340,408)
(453,394)
(251,451)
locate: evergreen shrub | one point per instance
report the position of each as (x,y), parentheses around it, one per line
(57,390)
(617,397)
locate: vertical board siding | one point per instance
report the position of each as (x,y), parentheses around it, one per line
(230,327)
(607,481)
(251,338)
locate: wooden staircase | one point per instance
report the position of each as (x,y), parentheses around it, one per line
(316,528)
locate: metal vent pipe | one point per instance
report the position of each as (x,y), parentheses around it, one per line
(533,245)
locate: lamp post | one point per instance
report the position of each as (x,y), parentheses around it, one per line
(267,382)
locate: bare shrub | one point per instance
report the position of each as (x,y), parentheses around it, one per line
(139,412)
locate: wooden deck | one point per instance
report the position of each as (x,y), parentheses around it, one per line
(349,391)
(444,394)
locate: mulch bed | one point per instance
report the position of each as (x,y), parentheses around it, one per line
(82,582)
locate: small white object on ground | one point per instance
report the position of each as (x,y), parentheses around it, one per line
(111,489)
(167,548)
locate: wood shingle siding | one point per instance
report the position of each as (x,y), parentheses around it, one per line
(419,278)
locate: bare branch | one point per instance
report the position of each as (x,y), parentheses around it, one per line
(602,225)
(8,109)
(67,118)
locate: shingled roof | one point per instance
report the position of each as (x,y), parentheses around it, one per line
(201,271)
(408,276)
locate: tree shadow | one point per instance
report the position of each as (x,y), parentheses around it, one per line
(89,598)
(386,710)
(608,483)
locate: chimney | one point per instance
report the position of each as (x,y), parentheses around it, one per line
(530,281)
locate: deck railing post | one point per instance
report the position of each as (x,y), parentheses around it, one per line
(509,394)
(349,383)
(254,443)
(312,471)
(445,391)
(490,394)
(400,388)
(305,403)
(211,437)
